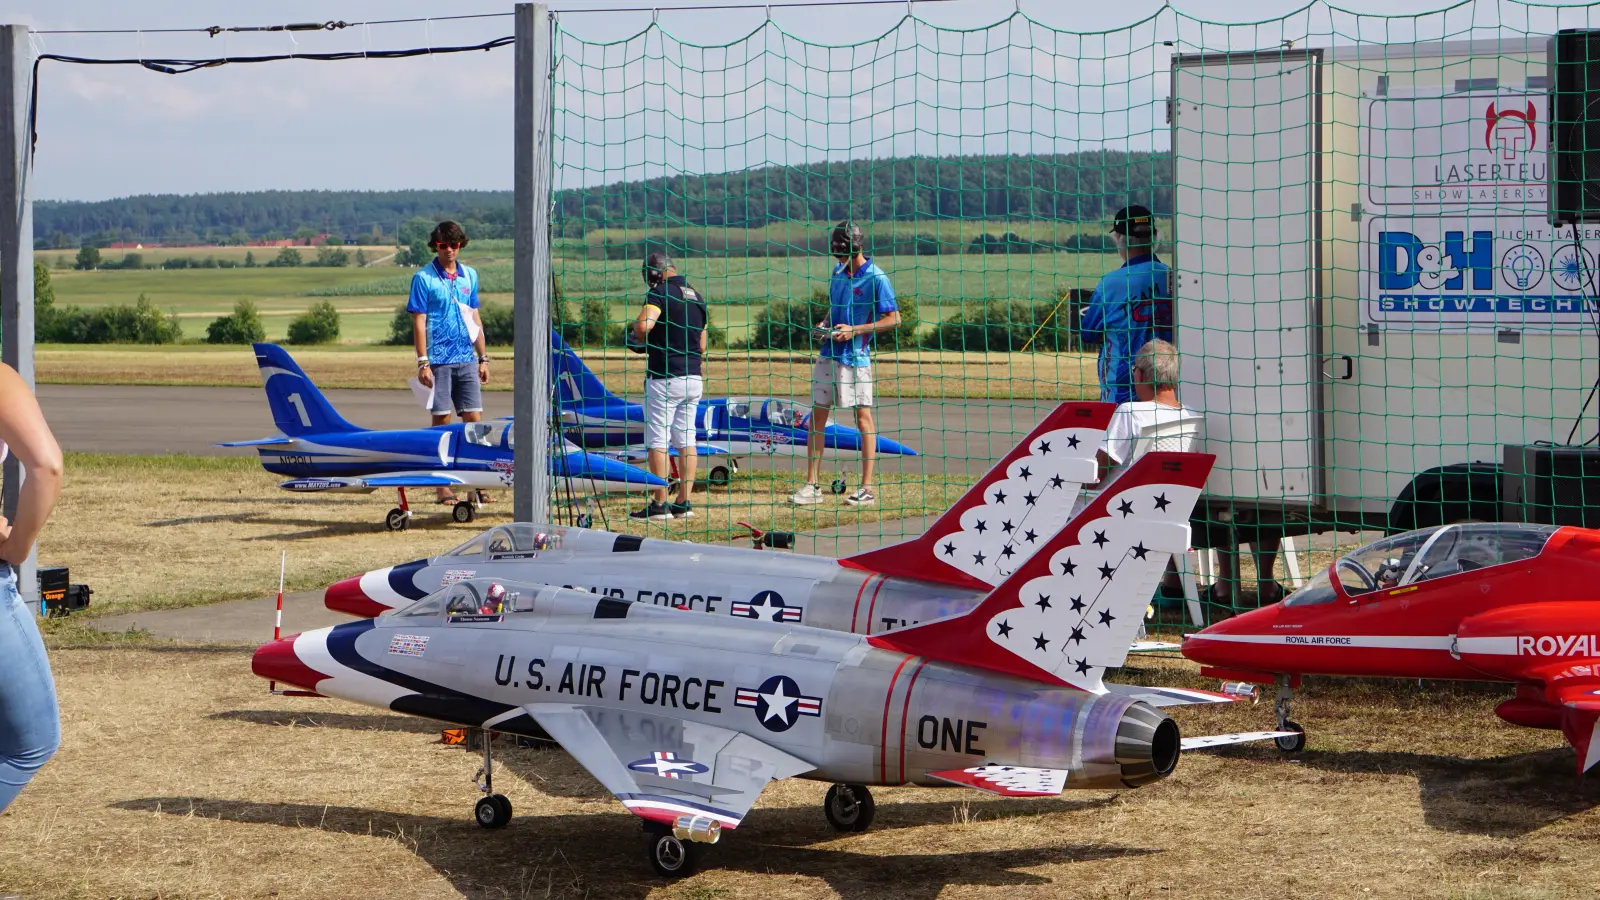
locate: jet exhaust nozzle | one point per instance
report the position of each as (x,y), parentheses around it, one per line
(1148,744)
(702,829)
(1242,689)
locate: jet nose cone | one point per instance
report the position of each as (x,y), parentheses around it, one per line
(348,596)
(277,661)
(1218,644)
(891,447)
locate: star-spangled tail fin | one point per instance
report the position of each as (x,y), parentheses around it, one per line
(1011,512)
(1072,611)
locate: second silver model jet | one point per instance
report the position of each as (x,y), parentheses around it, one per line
(994,528)
(685,719)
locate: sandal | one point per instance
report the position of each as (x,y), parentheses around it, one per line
(1269,592)
(483,497)
(451,500)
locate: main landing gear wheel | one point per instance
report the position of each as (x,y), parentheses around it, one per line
(1291,744)
(849,807)
(720,476)
(585,521)
(463,512)
(493,811)
(669,856)
(396,519)
(839,486)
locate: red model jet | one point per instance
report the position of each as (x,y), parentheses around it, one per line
(1476,602)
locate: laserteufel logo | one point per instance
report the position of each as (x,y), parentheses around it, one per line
(1508,137)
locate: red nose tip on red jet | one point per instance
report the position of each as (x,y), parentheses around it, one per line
(347,597)
(277,661)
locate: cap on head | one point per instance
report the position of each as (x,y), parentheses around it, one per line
(1135,222)
(656,264)
(847,240)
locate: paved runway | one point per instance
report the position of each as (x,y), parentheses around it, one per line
(963,436)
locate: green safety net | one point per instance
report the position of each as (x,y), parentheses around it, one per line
(1371,309)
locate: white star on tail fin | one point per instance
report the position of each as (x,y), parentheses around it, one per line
(1072,610)
(1018,506)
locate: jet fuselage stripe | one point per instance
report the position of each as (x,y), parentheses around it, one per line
(905,713)
(344,652)
(856,610)
(872,606)
(1367,641)
(888,701)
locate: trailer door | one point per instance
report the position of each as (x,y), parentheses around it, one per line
(1248,323)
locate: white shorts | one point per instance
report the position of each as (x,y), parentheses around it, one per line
(836,384)
(669,409)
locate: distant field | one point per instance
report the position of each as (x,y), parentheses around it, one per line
(798,234)
(737,288)
(64,259)
(1051,376)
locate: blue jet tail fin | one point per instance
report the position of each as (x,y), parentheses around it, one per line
(297,406)
(575,384)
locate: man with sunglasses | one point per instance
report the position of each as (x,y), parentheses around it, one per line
(451,356)
(860,305)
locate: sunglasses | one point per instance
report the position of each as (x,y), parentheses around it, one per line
(448,245)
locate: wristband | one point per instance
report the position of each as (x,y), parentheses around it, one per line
(422,360)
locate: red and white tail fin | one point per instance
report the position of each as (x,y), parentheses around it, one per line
(1011,512)
(1072,611)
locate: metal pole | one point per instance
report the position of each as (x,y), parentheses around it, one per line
(531,164)
(16,253)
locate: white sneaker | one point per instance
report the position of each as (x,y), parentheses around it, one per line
(862,497)
(809,495)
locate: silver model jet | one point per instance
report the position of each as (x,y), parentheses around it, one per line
(1016,507)
(685,719)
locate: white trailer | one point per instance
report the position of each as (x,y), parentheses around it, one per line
(1369,301)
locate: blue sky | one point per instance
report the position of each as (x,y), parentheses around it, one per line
(440,122)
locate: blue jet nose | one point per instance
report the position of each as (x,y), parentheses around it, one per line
(891,447)
(581,465)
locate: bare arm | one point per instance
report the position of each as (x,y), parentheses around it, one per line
(648,315)
(23,427)
(419,337)
(482,346)
(846,332)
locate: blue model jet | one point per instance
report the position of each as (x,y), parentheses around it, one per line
(323,452)
(734,427)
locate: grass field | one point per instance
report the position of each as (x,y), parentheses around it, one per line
(180,531)
(180,777)
(64,259)
(1049,376)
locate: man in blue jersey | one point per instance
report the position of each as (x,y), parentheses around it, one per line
(448,333)
(1131,306)
(860,305)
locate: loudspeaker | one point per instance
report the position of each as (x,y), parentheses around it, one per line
(1551,485)
(1573,57)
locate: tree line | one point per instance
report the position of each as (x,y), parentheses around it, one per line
(1085,186)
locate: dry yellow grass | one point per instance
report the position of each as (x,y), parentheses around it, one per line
(154,532)
(180,777)
(1055,376)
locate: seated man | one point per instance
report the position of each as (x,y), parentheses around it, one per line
(1155,384)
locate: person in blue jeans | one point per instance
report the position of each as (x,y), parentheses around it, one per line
(452,358)
(30,725)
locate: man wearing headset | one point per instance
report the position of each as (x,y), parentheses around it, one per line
(671,328)
(1131,306)
(860,305)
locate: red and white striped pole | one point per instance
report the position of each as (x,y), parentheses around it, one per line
(277,626)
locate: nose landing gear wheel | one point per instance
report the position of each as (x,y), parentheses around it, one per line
(493,811)
(671,857)
(720,476)
(1291,744)
(839,486)
(463,512)
(849,807)
(395,520)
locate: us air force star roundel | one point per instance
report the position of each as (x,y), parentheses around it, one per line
(667,765)
(767,605)
(778,703)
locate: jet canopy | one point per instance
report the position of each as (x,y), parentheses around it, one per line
(516,537)
(1424,555)
(768,410)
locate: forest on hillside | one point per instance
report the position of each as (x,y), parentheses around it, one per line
(1073,187)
